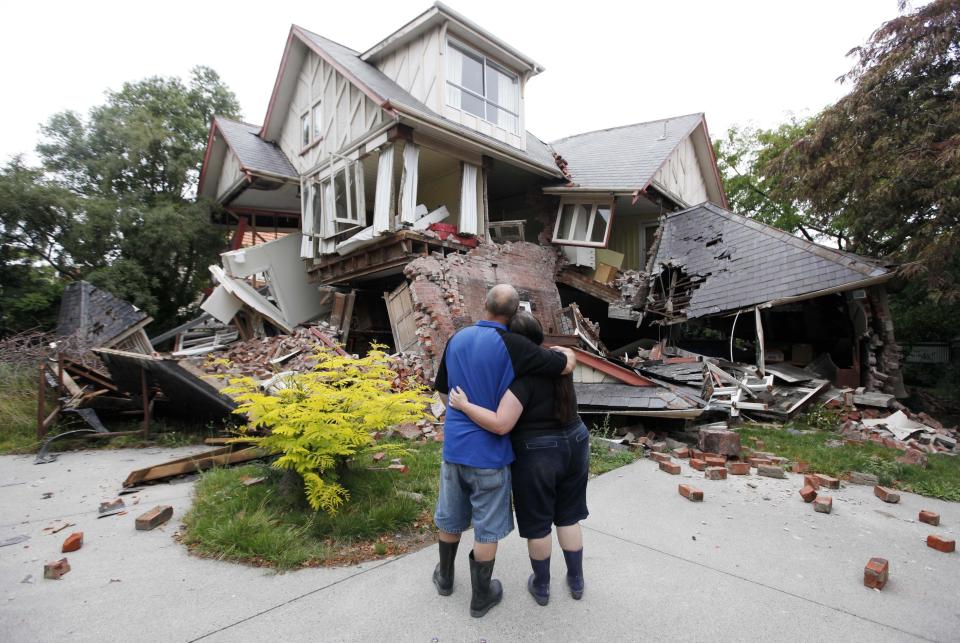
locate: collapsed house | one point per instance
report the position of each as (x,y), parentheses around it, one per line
(399,183)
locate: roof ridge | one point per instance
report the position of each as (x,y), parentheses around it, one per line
(221,117)
(616,127)
(339,44)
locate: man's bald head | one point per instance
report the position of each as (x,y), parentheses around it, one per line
(502,301)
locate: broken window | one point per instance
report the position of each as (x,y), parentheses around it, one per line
(583,224)
(480,87)
(504,231)
(343,199)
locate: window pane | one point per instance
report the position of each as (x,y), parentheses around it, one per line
(600,223)
(317,194)
(317,121)
(502,119)
(305,130)
(580,225)
(352,185)
(566,218)
(471,75)
(472,104)
(340,195)
(501,89)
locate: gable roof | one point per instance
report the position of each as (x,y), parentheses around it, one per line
(254,153)
(743,263)
(626,157)
(94,317)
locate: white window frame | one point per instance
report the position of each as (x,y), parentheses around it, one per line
(316,128)
(487,62)
(594,204)
(305,120)
(354,194)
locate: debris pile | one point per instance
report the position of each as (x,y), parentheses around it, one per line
(264,357)
(915,434)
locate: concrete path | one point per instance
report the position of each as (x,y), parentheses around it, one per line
(746,564)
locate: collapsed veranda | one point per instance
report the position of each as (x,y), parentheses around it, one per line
(387,189)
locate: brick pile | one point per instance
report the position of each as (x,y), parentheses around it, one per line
(260,358)
(934,438)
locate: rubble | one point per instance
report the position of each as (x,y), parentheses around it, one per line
(876,573)
(73,542)
(929,517)
(154,518)
(55,570)
(886,494)
(946,545)
(823,504)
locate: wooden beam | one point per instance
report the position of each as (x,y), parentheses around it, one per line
(199,462)
(585,284)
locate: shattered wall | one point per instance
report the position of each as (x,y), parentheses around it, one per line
(448,293)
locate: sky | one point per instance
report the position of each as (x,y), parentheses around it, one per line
(607,63)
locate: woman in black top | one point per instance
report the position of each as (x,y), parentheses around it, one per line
(552,449)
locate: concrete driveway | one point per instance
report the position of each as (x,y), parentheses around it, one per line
(752,562)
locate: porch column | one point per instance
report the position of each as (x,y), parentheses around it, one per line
(408,183)
(383,200)
(469,212)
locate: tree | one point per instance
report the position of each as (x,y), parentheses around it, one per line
(881,167)
(114,199)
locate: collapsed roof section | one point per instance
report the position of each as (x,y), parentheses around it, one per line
(91,317)
(711,261)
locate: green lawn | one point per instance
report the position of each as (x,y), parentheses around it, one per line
(18,410)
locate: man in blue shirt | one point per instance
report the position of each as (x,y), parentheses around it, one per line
(483,360)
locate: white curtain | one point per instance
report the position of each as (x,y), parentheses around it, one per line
(383,200)
(454,75)
(508,94)
(306,220)
(408,184)
(469,223)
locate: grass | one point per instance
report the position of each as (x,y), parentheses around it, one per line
(806,439)
(604,458)
(18,410)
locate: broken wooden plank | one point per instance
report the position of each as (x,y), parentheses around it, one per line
(730,379)
(200,462)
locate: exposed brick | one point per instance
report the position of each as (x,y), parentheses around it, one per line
(721,441)
(715,460)
(876,573)
(55,569)
(811,481)
(800,467)
(868,479)
(808,493)
(738,468)
(828,482)
(716,473)
(670,467)
(930,517)
(823,504)
(682,453)
(946,545)
(757,461)
(771,471)
(696,453)
(886,494)
(699,465)
(73,542)
(660,457)
(154,518)
(690,493)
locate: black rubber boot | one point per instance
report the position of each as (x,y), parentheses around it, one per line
(487,592)
(443,574)
(574,572)
(539,582)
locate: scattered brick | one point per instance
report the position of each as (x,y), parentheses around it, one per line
(670,467)
(886,494)
(111,506)
(154,518)
(811,481)
(696,453)
(776,459)
(771,471)
(808,493)
(73,542)
(876,573)
(760,444)
(715,460)
(691,493)
(697,464)
(380,455)
(823,504)
(930,517)
(867,479)
(800,467)
(682,453)
(757,461)
(661,457)
(722,441)
(828,482)
(716,473)
(738,468)
(946,545)
(56,569)
(402,468)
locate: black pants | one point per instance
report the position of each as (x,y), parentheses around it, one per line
(550,478)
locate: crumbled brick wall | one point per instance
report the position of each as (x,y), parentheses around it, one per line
(449,293)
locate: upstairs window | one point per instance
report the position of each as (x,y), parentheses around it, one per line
(305,130)
(343,199)
(479,86)
(316,121)
(583,223)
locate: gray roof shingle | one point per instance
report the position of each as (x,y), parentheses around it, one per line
(254,153)
(744,263)
(93,317)
(623,157)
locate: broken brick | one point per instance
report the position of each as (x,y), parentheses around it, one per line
(946,545)
(697,464)
(716,473)
(876,573)
(715,460)
(868,479)
(828,481)
(682,453)
(808,493)
(930,518)
(56,569)
(691,493)
(913,456)
(886,494)
(377,457)
(811,481)
(111,506)
(800,467)
(823,504)
(154,518)
(738,468)
(771,471)
(757,461)
(670,467)
(660,457)
(721,441)
(402,468)
(73,542)
(696,453)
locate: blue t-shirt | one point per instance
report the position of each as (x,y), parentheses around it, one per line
(483,360)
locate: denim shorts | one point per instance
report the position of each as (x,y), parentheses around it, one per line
(550,479)
(482,495)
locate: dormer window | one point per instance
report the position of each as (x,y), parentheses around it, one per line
(479,86)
